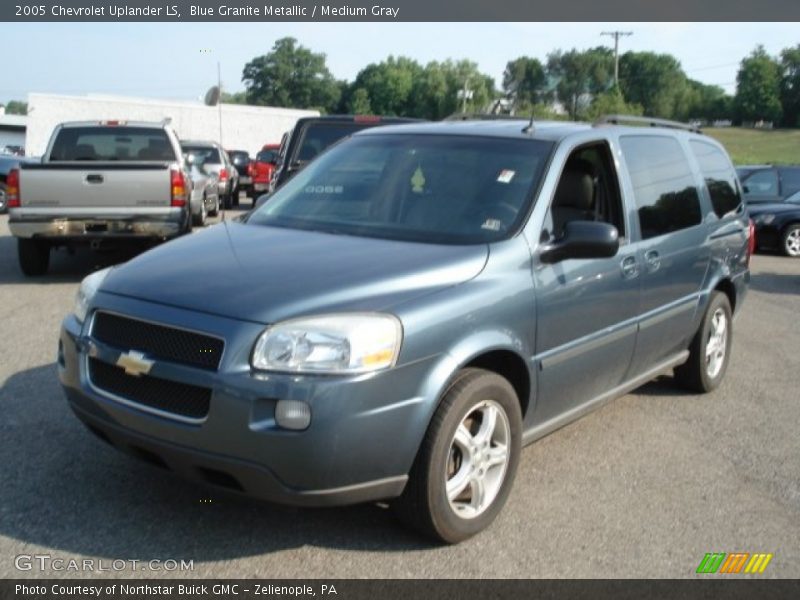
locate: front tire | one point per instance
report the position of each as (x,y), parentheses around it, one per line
(710,350)
(34,256)
(790,241)
(466,465)
(200,220)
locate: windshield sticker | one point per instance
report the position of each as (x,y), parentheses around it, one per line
(492,224)
(506,175)
(418,181)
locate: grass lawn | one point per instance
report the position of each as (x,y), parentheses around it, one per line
(758,146)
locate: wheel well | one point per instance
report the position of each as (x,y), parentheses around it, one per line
(509,365)
(730,291)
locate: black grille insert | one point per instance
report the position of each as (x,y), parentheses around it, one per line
(168,396)
(159,341)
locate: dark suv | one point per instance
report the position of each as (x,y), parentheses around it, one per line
(415,306)
(312,135)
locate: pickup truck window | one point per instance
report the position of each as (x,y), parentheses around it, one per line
(432,188)
(720,178)
(112,144)
(663,185)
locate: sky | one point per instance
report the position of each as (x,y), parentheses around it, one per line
(179,60)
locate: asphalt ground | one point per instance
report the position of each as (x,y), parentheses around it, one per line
(644,487)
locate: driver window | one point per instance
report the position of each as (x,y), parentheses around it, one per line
(587,191)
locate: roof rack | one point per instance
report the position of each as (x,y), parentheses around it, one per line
(482,117)
(652,122)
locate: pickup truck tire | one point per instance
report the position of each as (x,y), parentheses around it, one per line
(215,211)
(466,464)
(710,351)
(3,198)
(34,256)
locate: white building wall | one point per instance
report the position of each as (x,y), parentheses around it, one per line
(243,127)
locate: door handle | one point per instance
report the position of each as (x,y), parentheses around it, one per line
(652,259)
(629,266)
(94,178)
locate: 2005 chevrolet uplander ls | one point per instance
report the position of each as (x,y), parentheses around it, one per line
(412,308)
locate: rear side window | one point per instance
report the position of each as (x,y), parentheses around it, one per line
(790,180)
(267,156)
(719,176)
(112,143)
(762,183)
(663,185)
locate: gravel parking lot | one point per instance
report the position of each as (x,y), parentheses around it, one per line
(641,488)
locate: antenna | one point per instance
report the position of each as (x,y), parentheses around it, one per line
(529,127)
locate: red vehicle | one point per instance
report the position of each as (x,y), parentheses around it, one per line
(261,169)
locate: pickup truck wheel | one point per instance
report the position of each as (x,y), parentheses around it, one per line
(3,198)
(710,349)
(791,240)
(215,211)
(466,465)
(34,256)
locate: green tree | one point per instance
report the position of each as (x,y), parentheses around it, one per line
(656,82)
(790,86)
(758,88)
(389,85)
(234,98)
(16,107)
(358,102)
(612,102)
(524,82)
(438,91)
(579,76)
(708,102)
(293,76)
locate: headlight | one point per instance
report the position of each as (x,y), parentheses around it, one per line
(764,219)
(89,286)
(336,343)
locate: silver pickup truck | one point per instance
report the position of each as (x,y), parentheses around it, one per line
(110,181)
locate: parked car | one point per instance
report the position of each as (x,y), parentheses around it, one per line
(778,225)
(262,169)
(98,182)
(768,183)
(213,158)
(312,135)
(243,164)
(205,190)
(412,308)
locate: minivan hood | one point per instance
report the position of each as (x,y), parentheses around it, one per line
(266,274)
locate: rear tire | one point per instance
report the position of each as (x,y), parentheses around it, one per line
(466,464)
(790,241)
(200,220)
(215,211)
(34,256)
(710,350)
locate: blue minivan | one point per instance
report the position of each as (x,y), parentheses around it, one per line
(415,306)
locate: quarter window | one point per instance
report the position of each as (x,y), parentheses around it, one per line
(719,176)
(663,185)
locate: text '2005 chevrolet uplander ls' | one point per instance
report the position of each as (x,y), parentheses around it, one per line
(412,308)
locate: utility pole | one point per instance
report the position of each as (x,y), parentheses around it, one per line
(616,35)
(219,102)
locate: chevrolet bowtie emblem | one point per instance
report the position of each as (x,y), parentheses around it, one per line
(134,363)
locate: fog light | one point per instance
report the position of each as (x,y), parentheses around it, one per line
(293,414)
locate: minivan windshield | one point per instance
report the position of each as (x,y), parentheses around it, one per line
(444,189)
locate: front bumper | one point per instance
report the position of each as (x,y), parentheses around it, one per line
(112,225)
(364,434)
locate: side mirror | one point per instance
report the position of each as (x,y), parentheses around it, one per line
(582,239)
